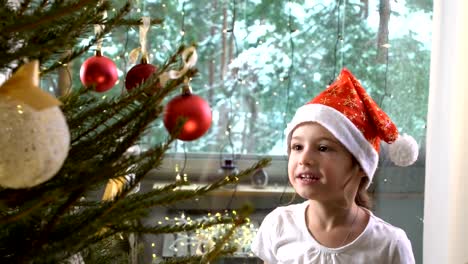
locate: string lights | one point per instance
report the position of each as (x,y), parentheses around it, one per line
(182,27)
(204,239)
(227,166)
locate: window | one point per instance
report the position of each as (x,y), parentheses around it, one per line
(260,60)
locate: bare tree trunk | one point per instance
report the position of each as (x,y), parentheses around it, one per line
(211,63)
(222,125)
(245,136)
(382,37)
(365,8)
(231,49)
(248,137)
(224,44)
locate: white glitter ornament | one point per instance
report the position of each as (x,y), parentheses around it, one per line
(33,143)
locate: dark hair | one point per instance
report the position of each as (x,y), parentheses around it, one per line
(363,197)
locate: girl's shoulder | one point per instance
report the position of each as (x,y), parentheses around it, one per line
(295,210)
(292,214)
(379,228)
(389,240)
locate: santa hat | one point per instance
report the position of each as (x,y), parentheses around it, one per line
(352,116)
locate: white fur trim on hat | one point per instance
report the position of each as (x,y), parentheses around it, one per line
(343,129)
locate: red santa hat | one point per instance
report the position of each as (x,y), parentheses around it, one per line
(352,116)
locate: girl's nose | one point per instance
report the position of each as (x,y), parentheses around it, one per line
(306,158)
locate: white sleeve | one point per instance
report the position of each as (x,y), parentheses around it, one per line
(262,245)
(403,252)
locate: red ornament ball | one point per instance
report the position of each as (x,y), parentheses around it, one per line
(194,109)
(138,75)
(99,71)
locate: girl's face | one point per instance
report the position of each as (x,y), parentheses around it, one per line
(320,167)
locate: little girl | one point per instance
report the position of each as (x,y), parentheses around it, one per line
(333,145)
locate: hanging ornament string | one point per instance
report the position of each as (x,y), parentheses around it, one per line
(98,28)
(342,41)
(186,88)
(145,12)
(339,40)
(134,54)
(189,59)
(385,94)
(182,28)
(143,33)
(24,87)
(122,55)
(236,52)
(291,30)
(231,110)
(234,86)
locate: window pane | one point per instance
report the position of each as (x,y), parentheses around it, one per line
(259,60)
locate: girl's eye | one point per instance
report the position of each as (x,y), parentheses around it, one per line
(322,148)
(296,147)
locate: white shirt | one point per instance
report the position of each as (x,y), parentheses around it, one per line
(283,238)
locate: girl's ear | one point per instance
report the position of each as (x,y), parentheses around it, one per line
(362,172)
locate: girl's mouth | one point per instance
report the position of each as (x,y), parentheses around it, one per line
(308,177)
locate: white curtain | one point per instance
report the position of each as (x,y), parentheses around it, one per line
(445,239)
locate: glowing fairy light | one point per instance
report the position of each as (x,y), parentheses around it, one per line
(386,45)
(202,240)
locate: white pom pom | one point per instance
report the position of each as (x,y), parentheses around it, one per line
(404,151)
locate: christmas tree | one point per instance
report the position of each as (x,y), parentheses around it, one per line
(57,154)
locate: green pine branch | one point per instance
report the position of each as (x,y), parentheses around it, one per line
(179,195)
(58,10)
(195,259)
(221,243)
(66,56)
(184,227)
(65,216)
